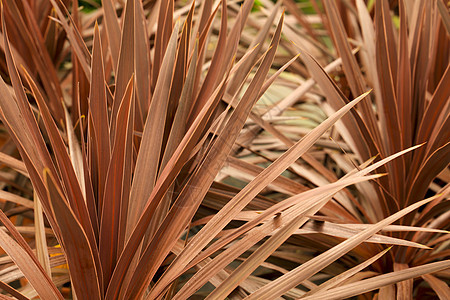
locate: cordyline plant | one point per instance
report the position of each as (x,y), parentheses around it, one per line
(403,55)
(123,129)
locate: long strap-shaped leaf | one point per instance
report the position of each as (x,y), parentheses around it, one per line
(112,30)
(7,288)
(23,256)
(115,180)
(404,82)
(370,284)
(142,64)
(14,163)
(163,33)
(279,286)
(125,66)
(148,158)
(386,60)
(80,258)
(99,115)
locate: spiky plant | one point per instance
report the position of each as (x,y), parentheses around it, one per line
(402,53)
(123,130)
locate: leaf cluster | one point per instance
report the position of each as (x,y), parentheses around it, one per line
(161,157)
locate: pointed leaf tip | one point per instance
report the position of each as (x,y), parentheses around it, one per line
(381,175)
